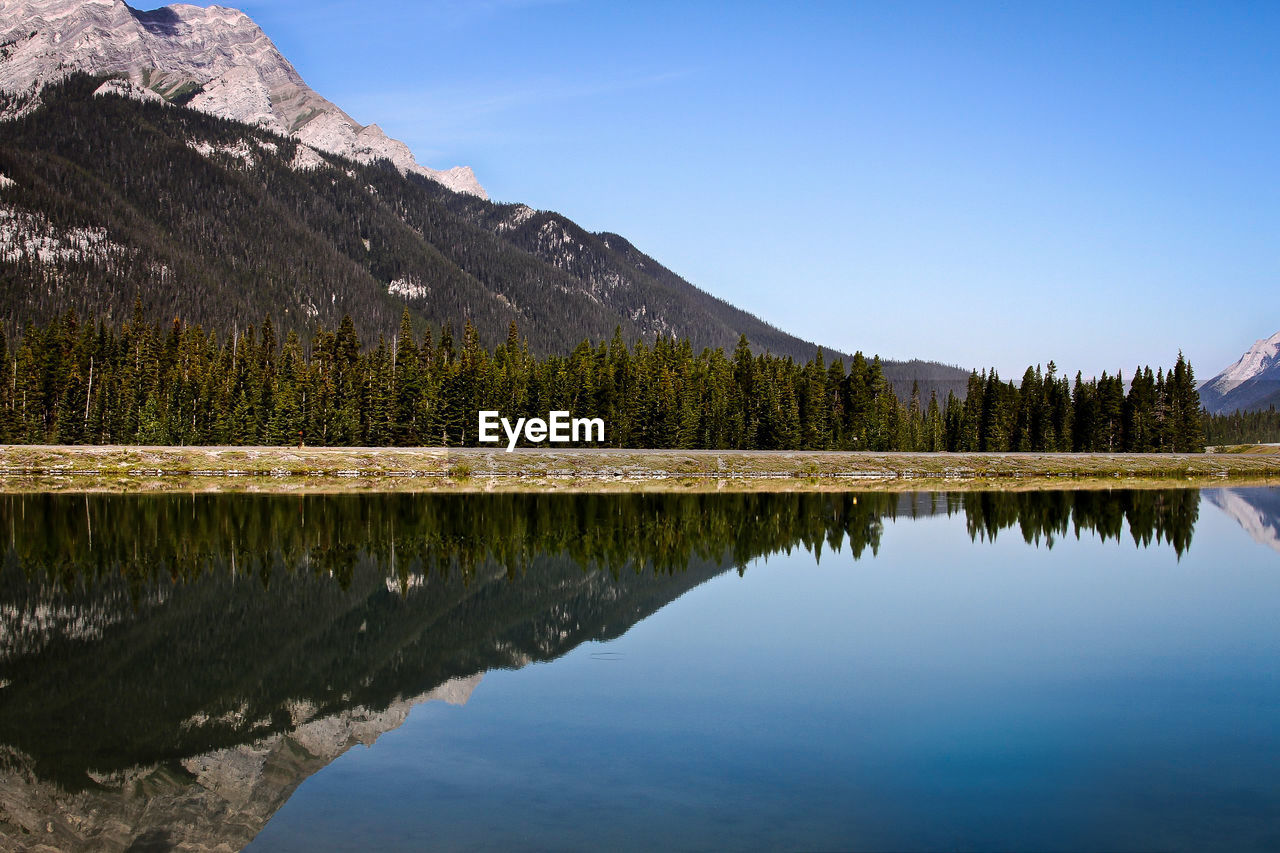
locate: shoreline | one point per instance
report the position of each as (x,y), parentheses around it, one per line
(120,468)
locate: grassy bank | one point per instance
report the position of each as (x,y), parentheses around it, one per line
(287,469)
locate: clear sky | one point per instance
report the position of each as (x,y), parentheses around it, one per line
(982,184)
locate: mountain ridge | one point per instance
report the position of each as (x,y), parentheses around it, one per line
(1251,383)
(213,59)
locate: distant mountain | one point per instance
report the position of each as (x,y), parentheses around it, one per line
(214,59)
(1252,383)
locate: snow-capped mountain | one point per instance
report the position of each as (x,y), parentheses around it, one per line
(1253,382)
(212,59)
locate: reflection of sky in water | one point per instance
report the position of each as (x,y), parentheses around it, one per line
(944,695)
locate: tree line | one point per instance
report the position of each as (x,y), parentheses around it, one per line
(74,382)
(1258,427)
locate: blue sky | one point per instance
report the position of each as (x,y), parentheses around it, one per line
(982,184)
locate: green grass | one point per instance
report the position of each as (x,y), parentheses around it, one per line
(183,94)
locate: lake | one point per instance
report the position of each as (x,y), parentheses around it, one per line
(1074,670)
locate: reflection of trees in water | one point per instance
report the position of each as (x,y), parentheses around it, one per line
(77,538)
(74,539)
(1164,516)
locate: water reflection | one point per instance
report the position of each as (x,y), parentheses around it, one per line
(174,666)
(77,541)
(1257,510)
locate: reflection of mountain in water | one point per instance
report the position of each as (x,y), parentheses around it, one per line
(1257,510)
(217,800)
(173,667)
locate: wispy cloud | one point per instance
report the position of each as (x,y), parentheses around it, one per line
(462,111)
(440,14)
(524,93)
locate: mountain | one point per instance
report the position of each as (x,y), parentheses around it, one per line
(213,59)
(198,180)
(1252,383)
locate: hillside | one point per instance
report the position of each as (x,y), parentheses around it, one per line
(104,197)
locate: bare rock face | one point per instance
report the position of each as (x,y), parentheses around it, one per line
(212,59)
(218,801)
(1251,383)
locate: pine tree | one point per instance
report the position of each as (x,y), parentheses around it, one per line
(746,399)
(971,438)
(407,385)
(1188,429)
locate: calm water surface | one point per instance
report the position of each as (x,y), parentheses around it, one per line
(1051,671)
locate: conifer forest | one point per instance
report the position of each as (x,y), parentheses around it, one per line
(75,382)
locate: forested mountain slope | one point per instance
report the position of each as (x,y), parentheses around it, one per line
(104,198)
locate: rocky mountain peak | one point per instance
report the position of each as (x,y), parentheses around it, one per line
(212,59)
(1253,381)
